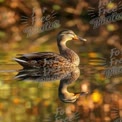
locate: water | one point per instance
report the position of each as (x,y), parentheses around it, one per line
(89,93)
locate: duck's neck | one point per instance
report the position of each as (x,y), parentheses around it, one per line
(68,53)
(71,77)
(64,94)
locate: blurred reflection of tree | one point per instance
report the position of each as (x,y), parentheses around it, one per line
(75,14)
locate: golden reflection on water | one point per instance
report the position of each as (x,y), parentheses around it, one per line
(32,101)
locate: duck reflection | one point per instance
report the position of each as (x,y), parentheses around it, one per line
(65,75)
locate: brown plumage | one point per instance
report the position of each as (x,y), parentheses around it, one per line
(66,58)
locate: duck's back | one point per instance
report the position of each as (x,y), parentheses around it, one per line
(42,59)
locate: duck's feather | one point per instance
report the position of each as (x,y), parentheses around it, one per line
(42,59)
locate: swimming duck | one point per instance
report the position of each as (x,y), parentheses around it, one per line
(66,58)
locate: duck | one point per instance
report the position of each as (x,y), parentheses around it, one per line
(66,76)
(64,95)
(66,58)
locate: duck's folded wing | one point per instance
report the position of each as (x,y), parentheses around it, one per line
(40,55)
(40,59)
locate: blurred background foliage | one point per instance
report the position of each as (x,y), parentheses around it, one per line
(34,102)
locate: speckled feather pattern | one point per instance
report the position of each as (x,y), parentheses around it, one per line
(43,59)
(66,58)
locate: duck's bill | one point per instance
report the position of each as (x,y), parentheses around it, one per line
(84,93)
(79,38)
(82,39)
(81,94)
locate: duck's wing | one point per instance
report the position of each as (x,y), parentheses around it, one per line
(41,59)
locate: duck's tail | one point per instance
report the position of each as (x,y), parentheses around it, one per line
(22,62)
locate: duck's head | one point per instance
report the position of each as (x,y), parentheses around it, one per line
(67,35)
